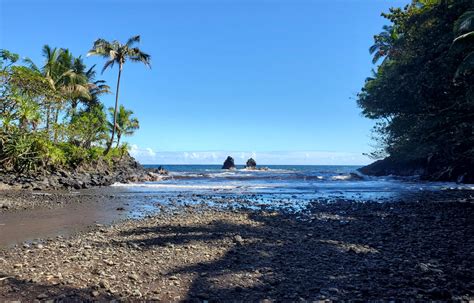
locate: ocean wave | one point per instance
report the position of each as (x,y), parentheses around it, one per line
(176,186)
(242,175)
(212,187)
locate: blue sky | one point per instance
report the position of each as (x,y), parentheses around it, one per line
(273,79)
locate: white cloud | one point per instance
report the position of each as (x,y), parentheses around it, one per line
(150,156)
(143,155)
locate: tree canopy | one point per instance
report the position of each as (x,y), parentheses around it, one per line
(422,93)
(51,114)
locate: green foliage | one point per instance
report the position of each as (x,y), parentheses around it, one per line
(7,58)
(21,151)
(126,125)
(51,116)
(422,93)
(464,42)
(88,127)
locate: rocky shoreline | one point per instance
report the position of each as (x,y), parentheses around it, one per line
(338,251)
(98,174)
(426,170)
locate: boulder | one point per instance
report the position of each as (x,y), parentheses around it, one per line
(251,163)
(228,163)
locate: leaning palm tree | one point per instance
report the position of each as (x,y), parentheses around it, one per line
(126,125)
(118,53)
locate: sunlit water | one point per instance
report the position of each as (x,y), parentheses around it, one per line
(296,182)
(280,188)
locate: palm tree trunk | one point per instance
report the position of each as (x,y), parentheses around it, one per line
(118,139)
(115,112)
(73,108)
(48,114)
(56,118)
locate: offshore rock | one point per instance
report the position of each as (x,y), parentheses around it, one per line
(251,163)
(228,163)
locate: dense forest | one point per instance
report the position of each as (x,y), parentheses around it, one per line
(422,92)
(51,115)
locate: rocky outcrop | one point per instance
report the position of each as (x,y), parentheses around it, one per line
(251,164)
(228,163)
(99,173)
(389,166)
(431,170)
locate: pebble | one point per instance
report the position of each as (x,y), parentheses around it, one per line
(285,256)
(95,293)
(134,277)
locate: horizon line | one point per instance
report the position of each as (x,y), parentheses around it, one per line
(208,164)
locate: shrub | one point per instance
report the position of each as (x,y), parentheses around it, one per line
(22,151)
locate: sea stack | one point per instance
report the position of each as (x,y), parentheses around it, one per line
(251,164)
(228,163)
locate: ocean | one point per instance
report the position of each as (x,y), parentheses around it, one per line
(284,189)
(295,182)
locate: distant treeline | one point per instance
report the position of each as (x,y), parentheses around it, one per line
(422,92)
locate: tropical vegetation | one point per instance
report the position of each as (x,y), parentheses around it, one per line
(51,114)
(117,53)
(422,92)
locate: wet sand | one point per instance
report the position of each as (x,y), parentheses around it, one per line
(35,215)
(216,252)
(29,215)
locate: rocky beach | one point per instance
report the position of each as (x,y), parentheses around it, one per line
(268,194)
(214,248)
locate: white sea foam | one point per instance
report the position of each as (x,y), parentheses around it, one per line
(192,186)
(179,186)
(341,178)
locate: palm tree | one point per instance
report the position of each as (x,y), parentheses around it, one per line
(384,43)
(125,124)
(95,87)
(118,53)
(67,83)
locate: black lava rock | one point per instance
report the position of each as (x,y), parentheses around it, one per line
(228,163)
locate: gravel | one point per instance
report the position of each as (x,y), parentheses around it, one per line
(338,251)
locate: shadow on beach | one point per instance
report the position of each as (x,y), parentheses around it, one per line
(13,289)
(339,251)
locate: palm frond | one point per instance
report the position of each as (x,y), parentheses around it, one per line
(31,64)
(463,42)
(107,64)
(90,73)
(132,40)
(465,23)
(101,47)
(76,91)
(136,55)
(373,48)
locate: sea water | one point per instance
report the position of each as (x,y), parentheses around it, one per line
(302,182)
